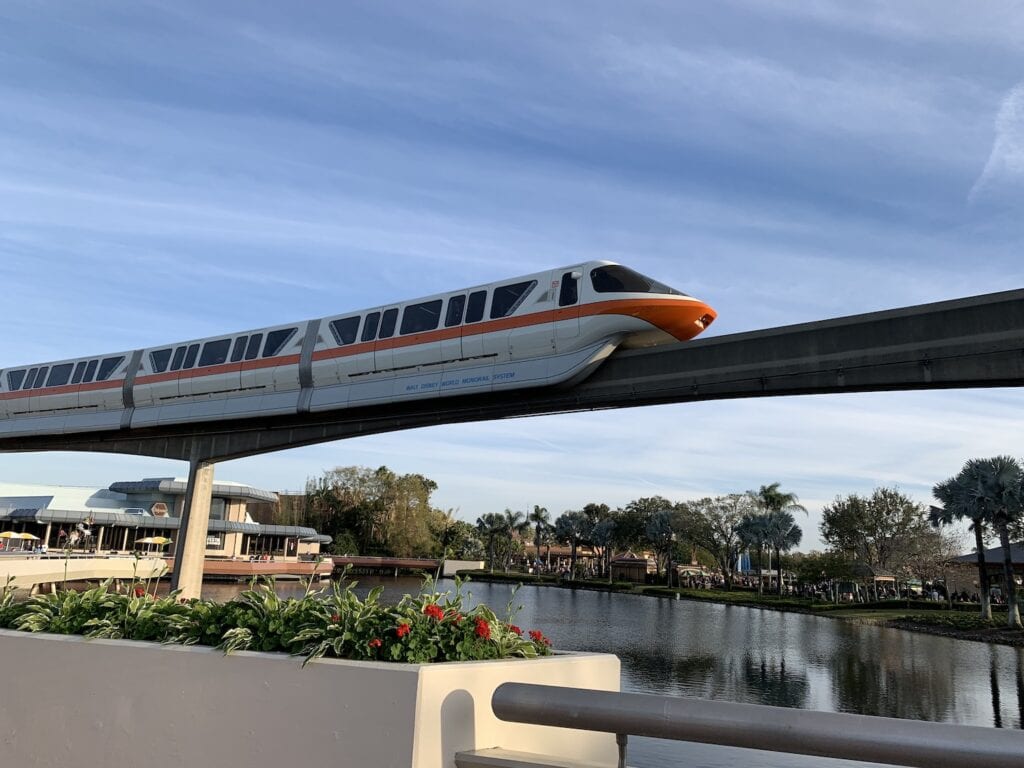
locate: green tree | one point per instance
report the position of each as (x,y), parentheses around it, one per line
(596,512)
(814,567)
(602,536)
(516,526)
(783,534)
(631,521)
(463,541)
(930,556)
(541,521)
(752,531)
(960,503)
(776,502)
(573,528)
(491,525)
(999,490)
(716,525)
(661,535)
(773,499)
(878,531)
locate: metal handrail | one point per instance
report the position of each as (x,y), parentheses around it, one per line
(883,740)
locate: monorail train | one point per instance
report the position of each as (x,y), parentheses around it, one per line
(546,328)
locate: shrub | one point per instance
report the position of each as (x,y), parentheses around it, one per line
(427,627)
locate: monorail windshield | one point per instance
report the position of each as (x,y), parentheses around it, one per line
(614,278)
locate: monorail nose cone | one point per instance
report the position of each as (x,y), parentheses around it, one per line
(681,319)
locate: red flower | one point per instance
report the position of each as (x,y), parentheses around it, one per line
(483,629)
(538,637)
(434,611)
(139,591)
(402,630)
(376,643)
(515,629)
(335,618)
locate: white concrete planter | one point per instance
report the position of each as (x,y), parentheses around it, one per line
(71,702)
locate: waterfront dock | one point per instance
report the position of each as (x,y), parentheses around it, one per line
(385,565)
(217,569)
(31,571)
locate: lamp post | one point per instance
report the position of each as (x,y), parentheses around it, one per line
(671,546)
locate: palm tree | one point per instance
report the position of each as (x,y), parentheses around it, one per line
(662,537)
(782,533)
(572,528)
(515,524)
(541,522)
(999,486)
(491,525)
(773,500)
(753,532)
(602,536)
(959,503)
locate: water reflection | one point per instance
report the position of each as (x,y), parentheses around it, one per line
(685,648)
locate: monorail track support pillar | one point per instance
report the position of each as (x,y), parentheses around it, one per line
(190,549)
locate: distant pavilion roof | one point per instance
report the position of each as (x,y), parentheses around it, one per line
(995,555)
(176,487)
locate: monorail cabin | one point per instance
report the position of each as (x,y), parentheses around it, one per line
(538,330)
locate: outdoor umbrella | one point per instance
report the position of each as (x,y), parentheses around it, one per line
(159,541)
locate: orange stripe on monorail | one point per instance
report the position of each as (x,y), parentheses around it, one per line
(64,389)
(665,314)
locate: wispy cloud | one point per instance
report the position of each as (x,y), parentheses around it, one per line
(1005,164)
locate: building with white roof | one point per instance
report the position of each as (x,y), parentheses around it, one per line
(137,515)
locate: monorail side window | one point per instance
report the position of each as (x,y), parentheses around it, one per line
(60,374)
(569,291)
(14,379)
(31,378)
(345,330)
(276,341)
(90,370)
(107,367)
(40,377)
(618,279)
(425,316)
(239,349)
(370,326)
(160,358)
(179,358)
(475,307)
(76,377)
(507,298)
(190,356)
(387,324)
(254,346)
(455,306)
(215,352)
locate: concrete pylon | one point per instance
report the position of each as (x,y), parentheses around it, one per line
(190,548)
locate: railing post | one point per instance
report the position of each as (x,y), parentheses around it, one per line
(622,739)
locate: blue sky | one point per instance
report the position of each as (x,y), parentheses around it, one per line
(171,170)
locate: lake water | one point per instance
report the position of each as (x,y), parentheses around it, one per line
(684,648)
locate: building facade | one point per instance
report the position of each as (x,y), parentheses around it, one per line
(145,516)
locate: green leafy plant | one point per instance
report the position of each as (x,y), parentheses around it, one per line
(431,626)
